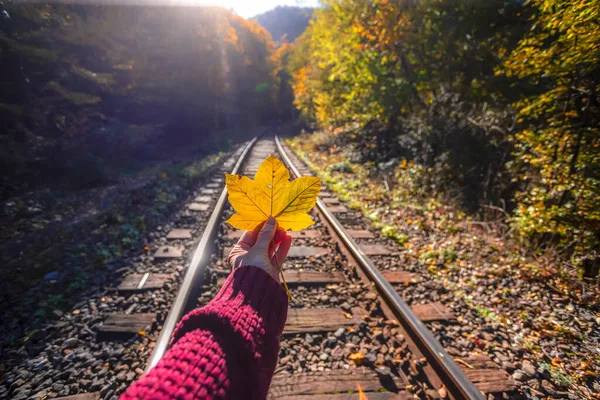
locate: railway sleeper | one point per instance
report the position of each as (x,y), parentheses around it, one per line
(124,326)
(179,234)
(142,282)
(337,385)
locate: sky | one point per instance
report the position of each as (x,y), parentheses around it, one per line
(250,8)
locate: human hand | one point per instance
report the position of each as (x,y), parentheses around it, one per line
(265,248)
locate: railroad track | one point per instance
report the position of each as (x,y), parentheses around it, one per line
(347,326)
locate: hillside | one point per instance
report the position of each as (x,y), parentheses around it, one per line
(285,23)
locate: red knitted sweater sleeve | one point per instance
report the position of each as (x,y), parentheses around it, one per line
(225,350)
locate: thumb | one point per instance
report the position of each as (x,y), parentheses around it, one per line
(267,233)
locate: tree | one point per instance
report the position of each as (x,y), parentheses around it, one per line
(112,85)
(558,146)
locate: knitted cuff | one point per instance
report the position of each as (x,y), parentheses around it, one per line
(251,303)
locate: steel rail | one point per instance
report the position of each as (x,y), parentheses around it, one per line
(457,383)
(195,272)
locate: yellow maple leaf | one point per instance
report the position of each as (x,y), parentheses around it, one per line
(271,194)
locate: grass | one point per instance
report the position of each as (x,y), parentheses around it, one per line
(77,98)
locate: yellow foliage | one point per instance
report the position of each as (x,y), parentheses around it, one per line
(271,194)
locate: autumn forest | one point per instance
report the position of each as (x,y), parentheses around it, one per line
(435,120)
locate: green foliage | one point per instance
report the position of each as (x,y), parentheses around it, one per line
(433,82)
(364,60)
(557,149)
(486,312)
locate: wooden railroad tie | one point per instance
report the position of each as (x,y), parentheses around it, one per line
(306,234)
(376,250)
(198,207)
(338,209)
(301,320)
(295,251)
(402,277)
(168,252)
(331,201)
(123,326)
(434,311)
(180,234)
(294,278)
(142,282)
(336,385)
(486,375)
(360,234)
(348,396)
(202,199)
(80,396)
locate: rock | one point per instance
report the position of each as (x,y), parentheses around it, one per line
(371,296)
(105,390)
(346,307)
(130,376)
(528,368)
(17,384)
(370,358)
(41,364)
(122,376)
(68,358)
(519,376)
(118,352)
(58,313)
(508,366)
(383,371)
(21,396)
(84,356)
(42,394)
(548,388)
(51,276)
(96,385)
(324,357)
(285,360)
(70,343)
(57,387)
(338,333)
(308,339)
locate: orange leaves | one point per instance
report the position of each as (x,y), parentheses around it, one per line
(357,358)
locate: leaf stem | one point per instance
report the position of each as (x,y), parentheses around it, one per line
(287,290)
